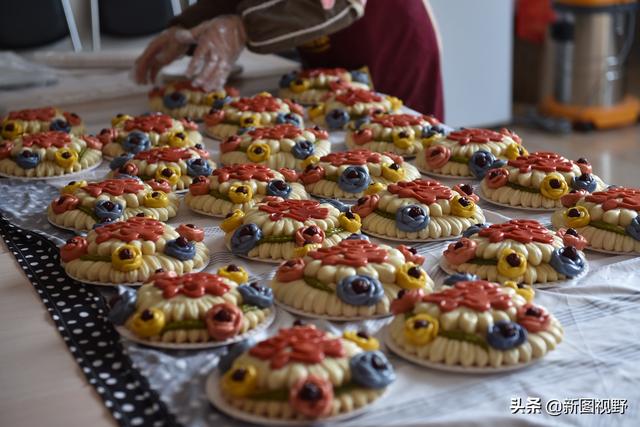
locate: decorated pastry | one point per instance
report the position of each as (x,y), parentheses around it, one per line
(474,324)
(304,373)
(539,180)
(131,135)
(244,114)
(608,219)
(183,100)
(520,250)
(132,250)
(280,146)
(279,229)
(347,175)
(403,134)
(193,308)
(177,166)
(468,152)
(311,85)
(48,154)
(240,187)
(353,279)
(22,122)
(417,210)
(81,205)
(349,105)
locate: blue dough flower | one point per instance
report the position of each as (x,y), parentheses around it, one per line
(473,230)
(108,209)
(286,79)
(289,118)
(342,207)
(198,167)
(359,76)
(119,161)
(358,236)
(371,369)
(586,182)
(245,238)
(174,100)
(180,248)
(480,162)
(354,179)
(357,124)
(633,229)
(411,218)
(136,142)
(460,277)
(302,149)
(254,294)
(336,119)
(27,159)
(61,125)
(123,305)
(279,188)
(360,290)
(505,335)
(233,352)
(219,103)
(568,261)
(244,130)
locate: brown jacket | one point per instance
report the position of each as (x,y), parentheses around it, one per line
(277,25)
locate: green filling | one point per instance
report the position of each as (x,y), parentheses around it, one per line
(284,239)
(282,395)
(483,261)
(331,178)
(315,283)
(88,257)
(183,324)
(608,227)
(248,307)
(463,336)
(385,214)
(81,153)
(218,195)
(89,212)
(522,188)
(459,159)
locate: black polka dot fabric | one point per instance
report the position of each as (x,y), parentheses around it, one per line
(78,311)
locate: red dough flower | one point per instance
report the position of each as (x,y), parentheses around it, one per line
(47,139)
(72,118)
(258,104)
(497,177)
(303,344)
(366,205)
(312,396)
(5,149)
(423,190)
(309,235)
(92,142)
(353,96)
(158,123)
(362,136)
(244,172)
(275,132)
(353,157)
(191,232)
(159,185)
(393,120)
(570,199)
(615,198)
(289,174)
(466,190)
(165,154)
(437,156)
(462,251)
(299,210)
(293,107)
(115,187)
(354,253)
(478,295)
(475,136)
(41,114)
(129,168)
(192,285)
(534,318)
(542,161)
(189,124)
(107,135)
(230,144)
(411,254)
(134,228)
(520,230)
(572,238)
(199,186)
(74,249)
(312,174)
(64,203)
(223,321)
(213,118)
(407,299)
(290,270)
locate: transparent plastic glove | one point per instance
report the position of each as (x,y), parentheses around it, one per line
(168,46)
(219,43)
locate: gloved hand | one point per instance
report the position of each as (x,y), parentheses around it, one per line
(220,42)
(168,46)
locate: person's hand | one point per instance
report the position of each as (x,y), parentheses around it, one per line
(168,46)
(219,43)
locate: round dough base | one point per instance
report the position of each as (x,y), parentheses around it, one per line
(110,284)
(306,314)
(45,178)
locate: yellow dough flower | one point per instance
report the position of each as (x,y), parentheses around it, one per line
(403,138)
(362,340)
(511,263)
(421,329)
(240,193)
(258,152)
(156,199)
(463,207)
(240,381)
(235,273)
(411,276)
(316,110)
(126,258)
(393,172)
(396,103)
(374,188)
(178,139)
(311,160)
(515,150)
(66,157)
(554,186)
(72,187)
(265,94)
(11,129)
(299,85)
(250,120)
(350,221)
(525,291)
(576,217)
(147,323)
(120,118)
(170,173)
(300,251)
(212,97)
(232,221)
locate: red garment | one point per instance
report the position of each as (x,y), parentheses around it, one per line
(397,42)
